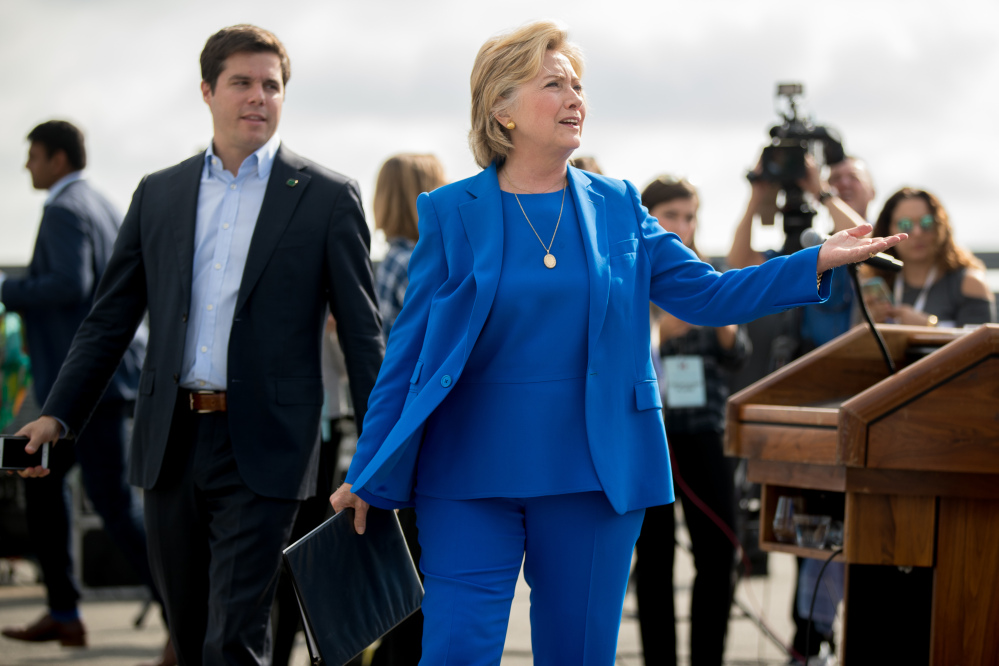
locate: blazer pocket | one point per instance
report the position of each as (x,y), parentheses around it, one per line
(647,395)
(146,382)
(299,391)
(627,246)
(416,373)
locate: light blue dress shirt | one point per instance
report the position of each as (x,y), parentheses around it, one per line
(228,208)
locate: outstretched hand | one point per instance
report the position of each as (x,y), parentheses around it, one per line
(343,498)
(849,246)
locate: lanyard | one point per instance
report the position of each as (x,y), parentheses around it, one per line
(920,303)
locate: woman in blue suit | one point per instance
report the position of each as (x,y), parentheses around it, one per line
(517,406)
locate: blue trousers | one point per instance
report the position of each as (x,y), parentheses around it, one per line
(576,553)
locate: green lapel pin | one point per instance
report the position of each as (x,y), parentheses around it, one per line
(292,182)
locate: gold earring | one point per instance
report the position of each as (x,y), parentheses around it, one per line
(511,125)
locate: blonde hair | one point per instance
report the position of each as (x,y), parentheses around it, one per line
(503,64)
(401,180)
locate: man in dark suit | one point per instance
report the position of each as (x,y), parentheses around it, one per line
(75,237)
(236,253)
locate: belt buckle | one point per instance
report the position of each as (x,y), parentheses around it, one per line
(190,397)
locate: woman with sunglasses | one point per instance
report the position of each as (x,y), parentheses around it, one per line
(942,284)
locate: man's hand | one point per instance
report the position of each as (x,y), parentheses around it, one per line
(849,246)
(44,429)
(343,498)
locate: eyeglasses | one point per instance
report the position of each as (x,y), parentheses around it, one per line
(926,223)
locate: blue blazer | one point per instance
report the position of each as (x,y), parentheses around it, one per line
(453,275)
(74,242)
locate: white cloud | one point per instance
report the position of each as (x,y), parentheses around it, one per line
(681,87)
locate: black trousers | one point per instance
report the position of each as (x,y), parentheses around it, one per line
(699,461)
(214,546)
(101,451)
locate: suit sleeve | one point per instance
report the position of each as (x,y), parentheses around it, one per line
(103,337)
(65,247)
(352,297)
(695,292)
(427,272)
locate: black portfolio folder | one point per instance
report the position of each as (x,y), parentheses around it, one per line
(352,588)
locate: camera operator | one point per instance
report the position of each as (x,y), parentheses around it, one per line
(852,183)
(819,323)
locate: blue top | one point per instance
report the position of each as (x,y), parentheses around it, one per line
(504,430)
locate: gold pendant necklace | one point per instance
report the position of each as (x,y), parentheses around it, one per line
(549,257)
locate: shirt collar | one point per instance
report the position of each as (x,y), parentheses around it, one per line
(263,156)
(61,185)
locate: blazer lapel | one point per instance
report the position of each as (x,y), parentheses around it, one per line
(592,223)
(483,220)
(182,210)
(280,200)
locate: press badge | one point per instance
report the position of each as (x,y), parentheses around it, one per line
(684,381)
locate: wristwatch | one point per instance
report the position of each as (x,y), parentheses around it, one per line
(824,196)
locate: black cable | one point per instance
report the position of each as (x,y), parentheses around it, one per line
(852,270)
(811,608)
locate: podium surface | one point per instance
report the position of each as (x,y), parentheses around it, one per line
(914,457)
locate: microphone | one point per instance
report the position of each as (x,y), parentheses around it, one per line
(810,237)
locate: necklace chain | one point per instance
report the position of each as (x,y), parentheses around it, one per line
(549,257)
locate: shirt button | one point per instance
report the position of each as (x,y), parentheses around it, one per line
(215,162)
(218,267)
(225,226)
(232,186)
(446,381)
(204,349)
(201,382)
(210,307)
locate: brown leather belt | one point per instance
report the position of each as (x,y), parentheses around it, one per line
(206,402)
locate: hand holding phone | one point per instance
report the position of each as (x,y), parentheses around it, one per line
(877,298)
(13,456)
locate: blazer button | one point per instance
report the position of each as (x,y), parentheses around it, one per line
(176,378)
(183,317)
(446,381)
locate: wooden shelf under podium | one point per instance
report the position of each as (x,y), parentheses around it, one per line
(915,456)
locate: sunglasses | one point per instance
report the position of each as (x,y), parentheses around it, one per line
(926,223)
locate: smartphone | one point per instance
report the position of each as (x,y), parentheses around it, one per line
(875,290)
(14,457)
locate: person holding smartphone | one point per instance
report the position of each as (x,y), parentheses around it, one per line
(941,284)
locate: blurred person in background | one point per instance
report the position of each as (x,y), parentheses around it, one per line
(941,284)
(78,229)
(401,180)
(694,383)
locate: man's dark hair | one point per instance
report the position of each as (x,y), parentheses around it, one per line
(242,38)
(56,135)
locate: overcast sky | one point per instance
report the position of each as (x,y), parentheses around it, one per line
(680,87)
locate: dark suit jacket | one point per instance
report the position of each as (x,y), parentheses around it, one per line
(74,242)
(309,249)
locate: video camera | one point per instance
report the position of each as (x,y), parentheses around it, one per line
(783,161)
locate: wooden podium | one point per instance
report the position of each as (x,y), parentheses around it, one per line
(915,456)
